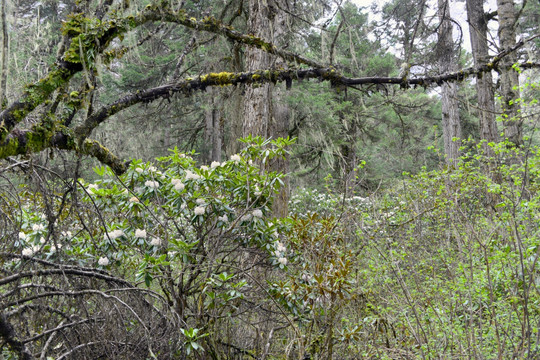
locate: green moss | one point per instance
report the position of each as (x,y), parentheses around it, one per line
(3,131)
(9,148)
(266,47)
(104,155)
(73,26)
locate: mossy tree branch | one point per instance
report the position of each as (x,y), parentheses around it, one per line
(90,36)
(35,140)
(188,86)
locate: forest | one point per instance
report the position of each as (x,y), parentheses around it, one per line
(269,179)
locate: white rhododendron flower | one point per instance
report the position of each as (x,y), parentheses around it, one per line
(93,187)
(28,252)
(178,185)
(204,168)
(155,241)
(115,234)
(38,227)
(199,210)
(140,233)
(223,218)
(152,168)
(191,176)
(257,213)
(139,170)
(199,201)
(246,217)
(42,240)
(43,216)
(280,247)
(257,193)
(66,233)
(133,199)
(236,158)
(103,261)
(215,164)
(151,184)
(282,260)
(22,235)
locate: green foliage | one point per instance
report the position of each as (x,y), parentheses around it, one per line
(170,223)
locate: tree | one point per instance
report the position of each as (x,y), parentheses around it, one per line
(478,22)
(450,107)
(3,55)
(264,113)
(509,78)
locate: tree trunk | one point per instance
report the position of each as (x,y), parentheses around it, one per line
(236,113)
(484,84)
(3,56)
(509,78)
(212,135)
(258,99)
(450,107)
(264,115)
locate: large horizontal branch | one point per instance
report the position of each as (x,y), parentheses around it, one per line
(188,86)
(213,25)
(23,142)
(35,140)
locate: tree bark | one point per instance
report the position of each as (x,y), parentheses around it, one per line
(264,114)
(509,77)
(237,105)
(3,56)
(213,129)
(484,84)
(450,107)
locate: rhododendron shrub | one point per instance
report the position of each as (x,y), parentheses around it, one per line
(199,238)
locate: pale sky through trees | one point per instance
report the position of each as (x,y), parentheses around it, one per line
(457,9)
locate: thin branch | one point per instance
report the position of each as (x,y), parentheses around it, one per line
(45,272)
